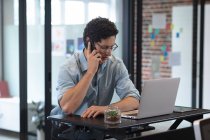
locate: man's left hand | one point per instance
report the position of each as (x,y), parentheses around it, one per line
(93,111)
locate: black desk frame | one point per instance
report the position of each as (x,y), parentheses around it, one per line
(120,131)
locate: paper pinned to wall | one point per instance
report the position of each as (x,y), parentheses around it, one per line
(174,58)
(58,41)
(58,34)
(161,58)
(158,21)
(152,43)
(157,31)
(150,29)
(155,66)
(177,35)
(152,36)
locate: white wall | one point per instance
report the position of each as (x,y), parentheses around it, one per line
(0,39)
(11,58)
(182,18)
(206,74)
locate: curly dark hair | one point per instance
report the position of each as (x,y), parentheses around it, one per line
(99,28)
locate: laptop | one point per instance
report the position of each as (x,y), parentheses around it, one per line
(157,98)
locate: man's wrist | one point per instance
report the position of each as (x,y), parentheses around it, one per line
(90,73)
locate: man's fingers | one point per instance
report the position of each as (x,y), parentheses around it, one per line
(84,115)
(87,114)
(96,114)
(98,55)
(91,113)
(94,52)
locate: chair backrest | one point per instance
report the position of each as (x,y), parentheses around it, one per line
(4,92)
(202,129)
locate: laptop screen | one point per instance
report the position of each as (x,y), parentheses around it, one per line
(158,97)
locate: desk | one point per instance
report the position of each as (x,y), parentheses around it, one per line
(119,131)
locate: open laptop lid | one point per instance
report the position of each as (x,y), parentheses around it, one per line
(157,98)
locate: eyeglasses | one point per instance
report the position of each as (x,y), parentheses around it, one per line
(105,48)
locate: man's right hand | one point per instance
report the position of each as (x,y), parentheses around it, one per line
(93,59)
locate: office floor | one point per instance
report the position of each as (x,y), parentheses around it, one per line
(8,135)
(159,127)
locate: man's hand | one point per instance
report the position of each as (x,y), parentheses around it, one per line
(93,58)
(93,111)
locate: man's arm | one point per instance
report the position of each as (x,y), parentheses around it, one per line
(73,97)
(126,104)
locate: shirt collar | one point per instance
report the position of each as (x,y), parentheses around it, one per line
(83,62)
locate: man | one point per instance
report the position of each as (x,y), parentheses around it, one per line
(87,81)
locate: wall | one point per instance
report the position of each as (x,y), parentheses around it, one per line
(206,74)
(164,37)
(182,19)
(1,39)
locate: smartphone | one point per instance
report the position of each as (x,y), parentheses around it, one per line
(92,47)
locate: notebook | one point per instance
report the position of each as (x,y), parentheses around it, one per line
(157,98)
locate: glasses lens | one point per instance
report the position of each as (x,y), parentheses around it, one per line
(114,47)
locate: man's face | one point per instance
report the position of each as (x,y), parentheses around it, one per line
(105,47)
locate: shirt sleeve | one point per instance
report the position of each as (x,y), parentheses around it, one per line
(65,81)
(125,86)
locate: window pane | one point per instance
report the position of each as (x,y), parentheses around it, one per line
(35,58)
(206,74)
(56,12)
(10,106)
(96,9)
(74,12)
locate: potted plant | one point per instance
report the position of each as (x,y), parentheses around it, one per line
(38,118)
(112,115)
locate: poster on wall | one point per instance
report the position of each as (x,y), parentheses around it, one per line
(155,66)
(80,45)
(58,48)
(70,48)
(174,58)
(158,20)
(58,41)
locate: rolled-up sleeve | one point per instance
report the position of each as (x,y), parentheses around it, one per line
(65,81)
(125,86)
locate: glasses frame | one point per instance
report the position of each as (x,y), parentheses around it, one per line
(113,48)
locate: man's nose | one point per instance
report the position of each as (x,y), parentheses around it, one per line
(108,52)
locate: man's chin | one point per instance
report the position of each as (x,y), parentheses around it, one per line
(103,60)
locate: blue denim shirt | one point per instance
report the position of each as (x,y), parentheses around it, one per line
(112,75)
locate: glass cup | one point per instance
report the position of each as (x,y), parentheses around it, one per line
(112,115)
